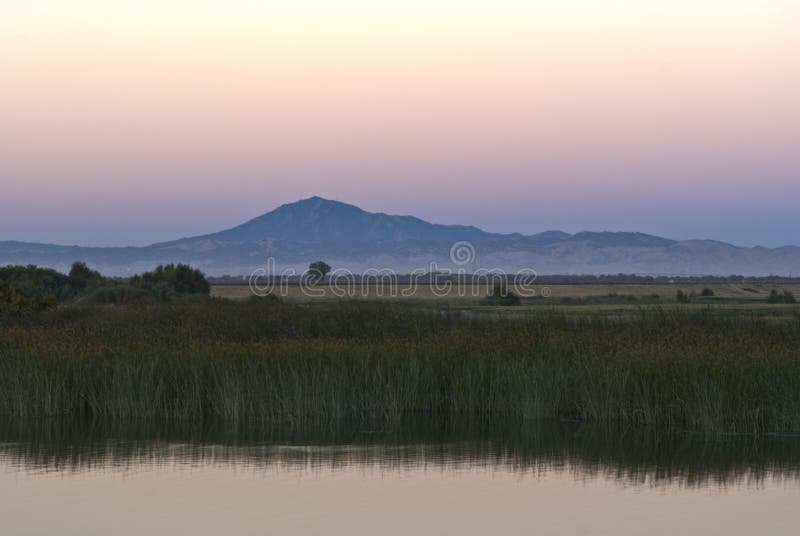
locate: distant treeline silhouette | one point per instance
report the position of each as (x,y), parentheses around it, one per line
(27,289)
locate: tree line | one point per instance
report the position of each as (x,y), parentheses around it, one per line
(25,289)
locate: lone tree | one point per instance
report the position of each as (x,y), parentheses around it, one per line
(316,272)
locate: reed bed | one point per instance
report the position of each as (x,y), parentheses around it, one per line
(269,362)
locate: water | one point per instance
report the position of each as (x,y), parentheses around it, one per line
(140,478)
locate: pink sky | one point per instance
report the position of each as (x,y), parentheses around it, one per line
(129,122)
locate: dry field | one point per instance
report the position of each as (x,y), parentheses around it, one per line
(469,294)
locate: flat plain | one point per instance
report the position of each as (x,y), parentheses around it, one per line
(730,293)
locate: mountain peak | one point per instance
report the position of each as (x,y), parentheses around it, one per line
(316,219)
(316,204)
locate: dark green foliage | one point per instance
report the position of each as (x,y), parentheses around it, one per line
(34,288)
(169,281)
(120,294)
(316,272)
(32,280)
(500,295)
(35,282)
(781,297)
(267,361)
(28,289)
(39,288)
(15,303)
(81,278)
(681,297)
(707,293)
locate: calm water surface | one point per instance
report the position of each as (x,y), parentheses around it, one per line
(141,478)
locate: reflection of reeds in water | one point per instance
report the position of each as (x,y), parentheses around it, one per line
(628,456)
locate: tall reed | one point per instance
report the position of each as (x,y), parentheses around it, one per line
(271,362)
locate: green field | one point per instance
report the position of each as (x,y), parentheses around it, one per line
(716,369)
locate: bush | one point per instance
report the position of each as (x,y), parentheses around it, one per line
(31,280)
(781,297)
(14,303)
(34,281)
(120,294)
(500,295)
(707,293)
(681,297)
(165,282)
(81,277)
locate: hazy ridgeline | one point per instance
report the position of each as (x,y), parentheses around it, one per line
(384,363)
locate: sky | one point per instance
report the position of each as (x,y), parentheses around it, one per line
(137,121)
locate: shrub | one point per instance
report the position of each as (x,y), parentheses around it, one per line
(707,293)
(167,281)
(14,302)
(500,295)
(781,297)
(33,281)
(681,297)
(81,277)
(120,294)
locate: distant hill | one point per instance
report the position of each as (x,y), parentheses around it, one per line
(349,237)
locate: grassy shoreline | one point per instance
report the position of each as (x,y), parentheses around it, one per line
(269,362)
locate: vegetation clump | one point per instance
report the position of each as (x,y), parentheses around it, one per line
(501,295)
(316,272)
(33,281)
(31,288)
(781,297)
(14,302)
(166,281)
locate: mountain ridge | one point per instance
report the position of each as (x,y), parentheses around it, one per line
(350,237)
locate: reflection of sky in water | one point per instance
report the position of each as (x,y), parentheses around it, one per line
(437,489)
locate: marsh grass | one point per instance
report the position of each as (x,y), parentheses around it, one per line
(269,362)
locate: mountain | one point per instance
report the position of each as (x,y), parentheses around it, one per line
(348,237)
(320,220)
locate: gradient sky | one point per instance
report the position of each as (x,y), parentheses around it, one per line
(135,121)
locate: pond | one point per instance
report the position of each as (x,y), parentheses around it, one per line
(64,477)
